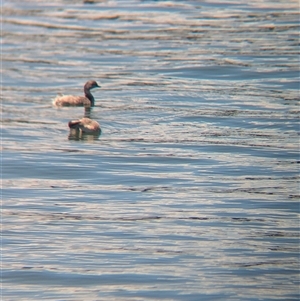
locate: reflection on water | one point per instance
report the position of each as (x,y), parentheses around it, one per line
(191,191)
(79,135)
(88,112)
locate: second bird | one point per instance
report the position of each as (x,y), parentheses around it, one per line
(85,125)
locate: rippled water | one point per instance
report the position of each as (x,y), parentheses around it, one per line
(191,191)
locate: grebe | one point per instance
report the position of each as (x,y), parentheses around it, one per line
(85,125)
(70,100)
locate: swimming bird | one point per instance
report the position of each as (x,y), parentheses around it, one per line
(70,100)
(85,125)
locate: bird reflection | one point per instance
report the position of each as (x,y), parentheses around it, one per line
(87,112)
(77,135)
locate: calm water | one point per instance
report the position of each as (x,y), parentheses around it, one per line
(191,191)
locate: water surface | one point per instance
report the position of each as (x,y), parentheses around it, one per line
(191,191)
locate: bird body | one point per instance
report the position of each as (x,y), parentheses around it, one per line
(85,125)
(71,100)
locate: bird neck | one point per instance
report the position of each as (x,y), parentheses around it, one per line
(89,95)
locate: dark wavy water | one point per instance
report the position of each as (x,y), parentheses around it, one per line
(191,191)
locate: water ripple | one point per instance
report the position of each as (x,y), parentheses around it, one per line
(191,191)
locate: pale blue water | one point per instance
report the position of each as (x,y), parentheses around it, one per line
(192,190)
